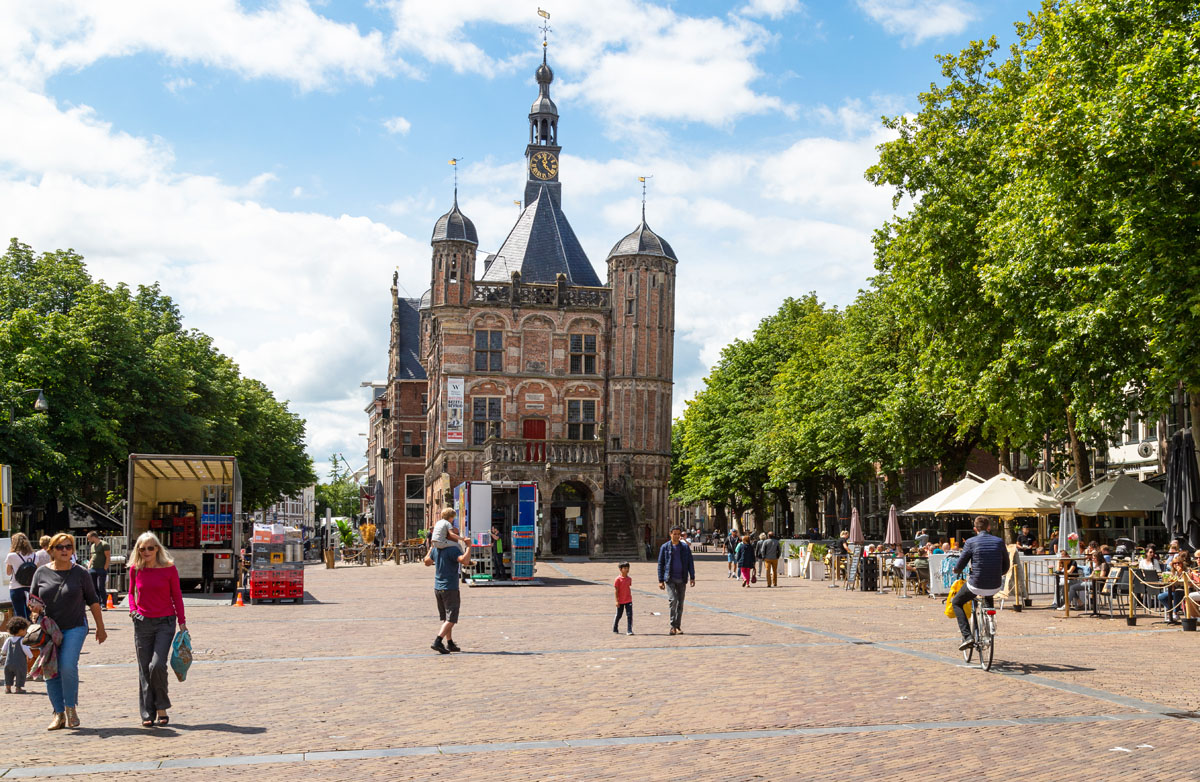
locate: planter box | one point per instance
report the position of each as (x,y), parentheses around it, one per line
(793,568)
(816,571)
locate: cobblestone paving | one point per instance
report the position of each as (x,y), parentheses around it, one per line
(802,681)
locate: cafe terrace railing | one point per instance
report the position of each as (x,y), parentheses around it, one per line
(535,452)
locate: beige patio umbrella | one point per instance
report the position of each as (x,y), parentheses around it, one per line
(1123,495)
(1002,495)
(953,491)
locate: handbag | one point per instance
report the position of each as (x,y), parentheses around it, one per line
(753,578)
(957,585)
(181,654)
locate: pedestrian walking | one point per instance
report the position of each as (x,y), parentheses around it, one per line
(42,555)
(676,571)
(61,591)
(19,566)
(156,606)
(445,563)
(758,553)
(745,559)
(98,561)
(771,550)
(15,655)
(731,543)
(623,586)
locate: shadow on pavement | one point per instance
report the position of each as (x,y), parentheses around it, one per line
(1029,668)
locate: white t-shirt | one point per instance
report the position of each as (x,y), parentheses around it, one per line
(441,534)
(41,557)
(14,561)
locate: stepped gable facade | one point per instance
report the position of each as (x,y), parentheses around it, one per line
(538,371)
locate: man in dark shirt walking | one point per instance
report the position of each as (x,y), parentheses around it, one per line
(676,571)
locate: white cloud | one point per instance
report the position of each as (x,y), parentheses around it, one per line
(174,86)
(617,54)
(397,125)
(919,20)
(774,9)
(285,40)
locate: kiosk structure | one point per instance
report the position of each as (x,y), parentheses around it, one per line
(511,507)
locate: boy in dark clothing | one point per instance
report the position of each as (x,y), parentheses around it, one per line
(16,655)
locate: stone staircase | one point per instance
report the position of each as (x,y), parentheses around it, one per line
(620,538)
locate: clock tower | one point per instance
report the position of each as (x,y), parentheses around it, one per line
(541,155)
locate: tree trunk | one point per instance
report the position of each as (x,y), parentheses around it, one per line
(812,504)
(1006,457)
(722,518)
(758,507)
(955,452)
(783,527)
(738,506)
(1083,472)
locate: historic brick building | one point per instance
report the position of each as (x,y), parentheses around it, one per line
(539,371)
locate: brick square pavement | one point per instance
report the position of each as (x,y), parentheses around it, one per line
(798,682)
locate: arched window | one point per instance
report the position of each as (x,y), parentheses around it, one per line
(454,268)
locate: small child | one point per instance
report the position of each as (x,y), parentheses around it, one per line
(16,655)
(443,531)
(622,584)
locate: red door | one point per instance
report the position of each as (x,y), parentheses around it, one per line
(534,429)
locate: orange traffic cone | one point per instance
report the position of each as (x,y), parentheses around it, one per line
(110,605)
(239,602)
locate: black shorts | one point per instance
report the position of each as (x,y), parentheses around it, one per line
(447,602)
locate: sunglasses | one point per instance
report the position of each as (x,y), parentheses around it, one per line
(64,547)
(149,548)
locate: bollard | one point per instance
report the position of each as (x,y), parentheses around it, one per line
(1131,620)
(329,554)
(1066,595)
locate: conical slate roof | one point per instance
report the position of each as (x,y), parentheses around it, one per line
(541,246)
(455,226)
(643,241)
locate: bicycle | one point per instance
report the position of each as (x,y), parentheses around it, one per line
(983,631)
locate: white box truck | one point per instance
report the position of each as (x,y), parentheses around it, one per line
(194,503)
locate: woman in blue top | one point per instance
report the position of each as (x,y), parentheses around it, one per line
(745,559)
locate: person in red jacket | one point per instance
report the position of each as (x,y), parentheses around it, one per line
(156,605)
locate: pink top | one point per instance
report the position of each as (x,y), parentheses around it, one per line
(624,592)
(155,592)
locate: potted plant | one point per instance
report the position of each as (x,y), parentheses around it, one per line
(793,561)
(816,563)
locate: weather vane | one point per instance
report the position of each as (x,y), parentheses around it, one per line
(643,179)
(454,161)
(545,28)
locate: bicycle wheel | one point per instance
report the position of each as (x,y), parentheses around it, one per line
(986,644)
(970,650)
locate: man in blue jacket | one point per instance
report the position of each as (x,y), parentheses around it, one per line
(988,558)
(676,571)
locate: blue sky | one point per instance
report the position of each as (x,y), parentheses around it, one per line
(272,163)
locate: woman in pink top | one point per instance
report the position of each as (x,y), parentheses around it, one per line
(155,603)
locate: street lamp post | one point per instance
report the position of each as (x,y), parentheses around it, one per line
(41,406)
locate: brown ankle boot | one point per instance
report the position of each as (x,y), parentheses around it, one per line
(58,723)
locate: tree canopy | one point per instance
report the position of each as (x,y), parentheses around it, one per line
(123,375)
(1036,285)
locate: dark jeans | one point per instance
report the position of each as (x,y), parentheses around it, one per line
(152,638)
(675,593)
(498,565)
(14,675)
(627,609)
(100,579)
(20,601)
(961,598)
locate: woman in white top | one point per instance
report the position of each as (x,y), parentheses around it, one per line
(21,553)
(1150,561)
(42,555)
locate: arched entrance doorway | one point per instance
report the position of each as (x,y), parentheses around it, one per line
(570,510)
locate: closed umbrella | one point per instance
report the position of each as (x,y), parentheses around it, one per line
(892,538)
(856,534)
(1182,482)
(380,519)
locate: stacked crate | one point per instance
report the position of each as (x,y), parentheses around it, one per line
(216,514)
(276,564)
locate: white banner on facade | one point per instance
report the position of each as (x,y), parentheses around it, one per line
(454,409)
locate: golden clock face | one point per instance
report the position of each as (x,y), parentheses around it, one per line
(543,165)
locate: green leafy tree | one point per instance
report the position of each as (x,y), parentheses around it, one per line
(340,493)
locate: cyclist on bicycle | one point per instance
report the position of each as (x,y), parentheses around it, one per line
(988,558)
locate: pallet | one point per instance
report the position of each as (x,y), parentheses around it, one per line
(256,600)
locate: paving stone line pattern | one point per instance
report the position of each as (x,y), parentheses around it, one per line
(759,674)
